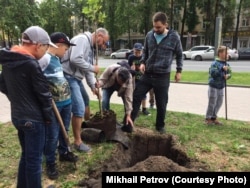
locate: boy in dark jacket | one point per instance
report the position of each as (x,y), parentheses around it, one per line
(27,89)
(219,72)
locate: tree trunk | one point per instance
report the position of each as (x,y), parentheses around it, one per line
(183,20)
(235,37)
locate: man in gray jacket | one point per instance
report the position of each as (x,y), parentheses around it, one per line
(77,63)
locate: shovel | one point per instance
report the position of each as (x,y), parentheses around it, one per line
(59,118)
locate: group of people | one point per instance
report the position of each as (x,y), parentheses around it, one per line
(46,68)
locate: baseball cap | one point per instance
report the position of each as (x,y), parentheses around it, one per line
(37,35)
(138,46)
(59,37)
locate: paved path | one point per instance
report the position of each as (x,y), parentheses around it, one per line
(182,98)
(193,99)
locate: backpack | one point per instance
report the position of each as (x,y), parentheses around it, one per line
(125,65)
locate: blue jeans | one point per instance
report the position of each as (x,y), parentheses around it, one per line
(160,84)
(78,96)
(32,139)
(106,95)
(54,134)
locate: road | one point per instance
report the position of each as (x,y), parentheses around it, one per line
(190,65)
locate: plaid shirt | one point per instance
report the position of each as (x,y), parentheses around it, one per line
(158,58)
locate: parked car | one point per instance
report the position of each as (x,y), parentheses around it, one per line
(187,54)
(233,54)
(119,54)
(209,54)
(129,53)
(244,53)
(203,55)
(108,51)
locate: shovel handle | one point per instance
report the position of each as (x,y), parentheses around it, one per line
(59,118)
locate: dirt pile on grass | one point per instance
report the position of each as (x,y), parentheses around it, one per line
(148,151)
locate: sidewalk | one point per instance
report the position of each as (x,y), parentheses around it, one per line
(182,98)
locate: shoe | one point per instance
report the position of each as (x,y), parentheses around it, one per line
(68,156)
(127,128)
(216,122)
(209,122)
(51,171)
(82,147)
(161,130)
(151,106)
(146,113)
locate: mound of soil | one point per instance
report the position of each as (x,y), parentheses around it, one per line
(147,151)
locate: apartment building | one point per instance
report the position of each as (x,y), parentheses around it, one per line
(198,36)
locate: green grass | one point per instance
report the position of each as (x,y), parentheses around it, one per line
(221,148)
(201,77)
(238,78)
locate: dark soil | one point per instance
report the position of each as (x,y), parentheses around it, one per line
(144,151)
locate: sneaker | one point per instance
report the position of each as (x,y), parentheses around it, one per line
(209,122)
(51,171)
(82,148)
(151,106)
(216,122)
(146,113)
(161,130)
(68,156)
(127,128)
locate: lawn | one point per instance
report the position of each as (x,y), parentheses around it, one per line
(221,148)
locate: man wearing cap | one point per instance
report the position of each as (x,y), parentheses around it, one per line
(78,62)
(23,82)
(134,62)
(59,87)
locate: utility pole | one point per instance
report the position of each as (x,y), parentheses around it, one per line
(217,39)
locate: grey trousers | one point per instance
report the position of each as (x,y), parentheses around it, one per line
(215,100)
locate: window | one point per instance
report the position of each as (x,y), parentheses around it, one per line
(176,25)
(243,43)
(245,22)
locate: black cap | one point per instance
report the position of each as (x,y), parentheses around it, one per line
(59,37)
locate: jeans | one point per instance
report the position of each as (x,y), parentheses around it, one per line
(215,100)
(32,139)
(106,95)
(78,96)
(160,84)
(54,134)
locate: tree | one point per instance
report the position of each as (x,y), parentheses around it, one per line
(16,16)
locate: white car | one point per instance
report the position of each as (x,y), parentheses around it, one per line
(209,54)
(119,54)
(203,55)
(187,54)
(233,54)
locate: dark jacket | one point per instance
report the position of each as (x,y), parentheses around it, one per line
(216,74)
(23,82)
(158,58)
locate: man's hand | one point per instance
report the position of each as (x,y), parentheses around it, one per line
(96,69)
(129,121)
(97,84)
(96,92)
(177,77)
(142,68)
